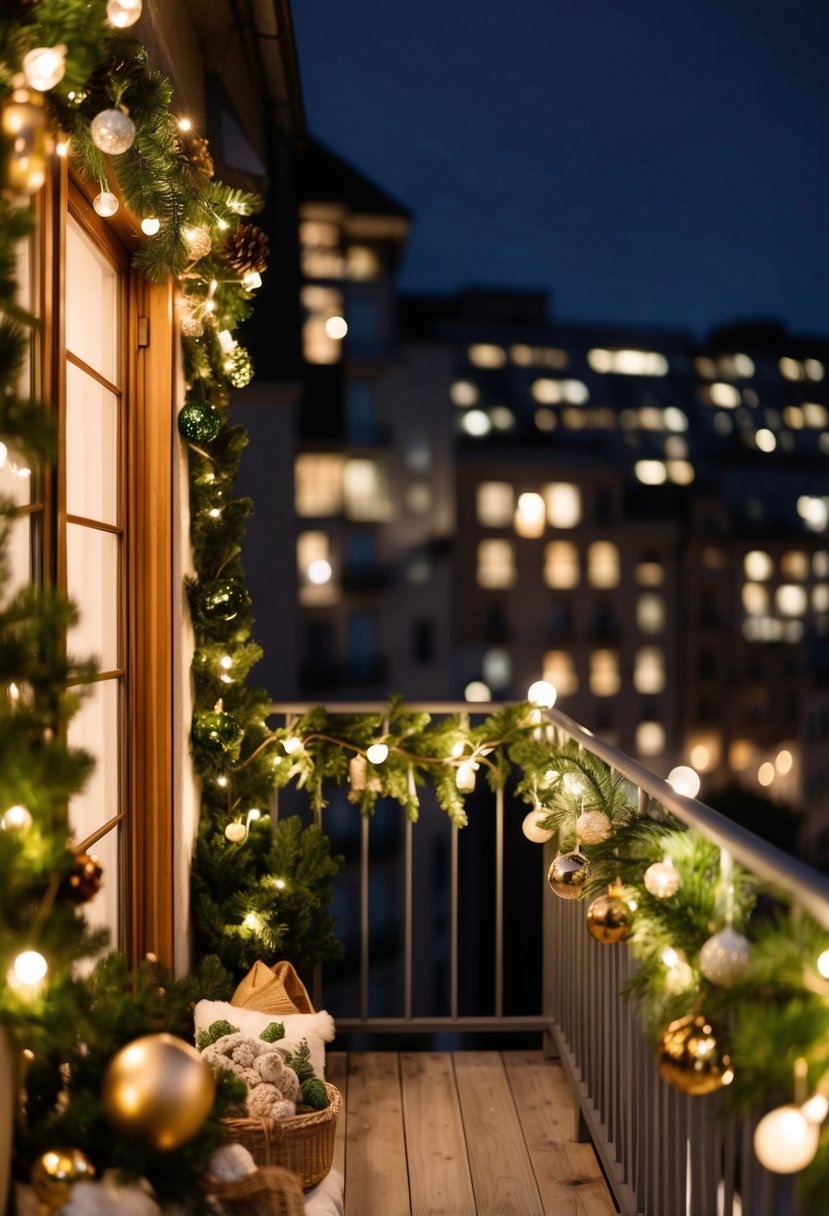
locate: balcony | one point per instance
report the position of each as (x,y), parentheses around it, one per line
(524,1103)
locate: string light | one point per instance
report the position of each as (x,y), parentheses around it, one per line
(542,693)
(44,67)
(150,225)
(785,1141)
(16,819)
(184,124)
(823,964)
(377,753)
(27,973)
(62,149)
(292,745)
(684,780)
(123,13)
(105,203)
(221,780)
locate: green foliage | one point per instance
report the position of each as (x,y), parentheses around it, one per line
(300,1061)
(273,1032)
(216,1030)
(314,1094)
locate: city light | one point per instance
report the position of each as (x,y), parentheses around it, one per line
(684,780)
(542,693)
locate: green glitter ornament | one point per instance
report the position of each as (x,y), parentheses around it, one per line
(238,367)
(223,599)
(199,422)
(216,730)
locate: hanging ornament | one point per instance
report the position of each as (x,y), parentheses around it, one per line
(113,131)
(593,826)
(238,366)
(199,422)
(465,776)
(679,976)
(150,225)
(357,774)
(662,879)
(27,974)
(191,326)
(236,831)
(568,874)
(377,753)
(532,831)
(84,880)
(55,1173)
(724,957)
(158,1089)
(785,1141)
(609,917)
(223,599)
(105,203)
(44,67)
(121,14)
(198,242)
(196,151)
(216,730)
(25,142)
(691,1058)
(246,249)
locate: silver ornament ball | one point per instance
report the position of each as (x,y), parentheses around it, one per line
(724,957)
(113,131)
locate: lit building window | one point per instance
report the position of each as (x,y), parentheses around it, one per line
(603,564)
(495,504)
(820,597)
(551,356)
(545,420)
(521,355)
(790,600)
(674,419)
(651,472)
(628,362)
(560,671)
(364,490)
(547,392)
(649,671)
(485,354)
(650,418)
(502,418)
(574,420)
(725,395)
(820,563)
(681,472)
(605,680)
(793,417)
(650,573)
(419,497)
(736,367)
(676,447)
(650,612)
(723,424)
(563,504)
(795,564)
(530,515)
(464,393)
(476,423)
(321,305)
(755,599)
(815,415)
(418,454)
(650,738)
(497,668)
(320,250)
(765,440)
(758,565)
(561,565)
(318,485)
(418,569)
(790,369)
(705,367)
(496,564)
(814,369)
(813,511)
(314,569)
(575,392)
(363,264)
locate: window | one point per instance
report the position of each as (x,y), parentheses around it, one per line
(361,422)
(758,565)
(485,354)
(423,640)
(755,599)
(361,634)
(418,456)
(650,612)
(364,490)
(495,504)
(790,599)
(795,564)
(605,680)
(319,485)
(419,497)
(321,305)
(464,393)
(313,559)
(563,504)
(530,516)
(560,671)
(320,250)
(496,564)
(561,565)
(628,362)
(649,671)
(603,564)
(650,572)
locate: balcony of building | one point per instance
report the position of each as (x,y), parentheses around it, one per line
(467,1091)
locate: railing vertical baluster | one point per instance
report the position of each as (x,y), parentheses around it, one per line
(364,885)
(453,923)
(729,1162)
(273,808)
(499,902)
(407,923)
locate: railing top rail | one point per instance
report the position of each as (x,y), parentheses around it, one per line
(806,886)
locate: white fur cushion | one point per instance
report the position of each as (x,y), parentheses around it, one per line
(317,1028)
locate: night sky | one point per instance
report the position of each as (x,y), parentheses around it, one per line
(659,161)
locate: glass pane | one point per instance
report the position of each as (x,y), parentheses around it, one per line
(92,304)
(95,729)
(92,582)
(19,554)
(91,448)
(102,911)
(25,285)
(15,477)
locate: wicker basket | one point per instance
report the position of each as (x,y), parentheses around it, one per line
(269,1192)
(303,1144)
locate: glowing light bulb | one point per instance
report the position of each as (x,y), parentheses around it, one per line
(542,693)
(221,780)
(150,225)
(336,327)
(253,278)
(823,964)
(684,780)
(292,744)
(184,124)
(377,753)
(816,1108)
(62,149)
(251,921)
(16,819)
(458,749)
(214,512)
(28,972)
(662,879)
(465,776)
(44,67)
(105,203)
(785,1141)
(123,13)
(226,662)
(319,572)
(669,956)
(476,690)
(279,883)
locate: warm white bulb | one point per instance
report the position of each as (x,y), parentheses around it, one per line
(105,203)
(184,124)
(292,744)
(62,149)
(215,512)
(16,819)
(44,67)
(251,920)
(662,879)
(226,662)
(227,341)
(279,883)
(336,327)
(319,572)
(684,780)
(816,1108)
(150,225)
(476,690)
(254,813)
(29,968)
(377,753)
(252,279)
(785,1141)
(123,13)
(823,964)
(670,957)
(542,693)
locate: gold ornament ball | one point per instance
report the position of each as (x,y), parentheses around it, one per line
(609,918)
(593,826)
(55,1172)
(159,1089)
(690,1056)
(568,874)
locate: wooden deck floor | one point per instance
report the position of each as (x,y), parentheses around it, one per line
(466,1134)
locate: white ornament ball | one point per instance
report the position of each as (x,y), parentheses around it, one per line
(123,13)
(531,829)
(197,241)
(724,957)
(235,832)
(662,880)
(593,826)
(785,1141)
(113,131)
(105,204)
(44,67)
(191,326)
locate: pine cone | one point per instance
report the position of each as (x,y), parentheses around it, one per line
(196,152)
(246,249)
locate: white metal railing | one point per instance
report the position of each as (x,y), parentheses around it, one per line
(664,1154)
